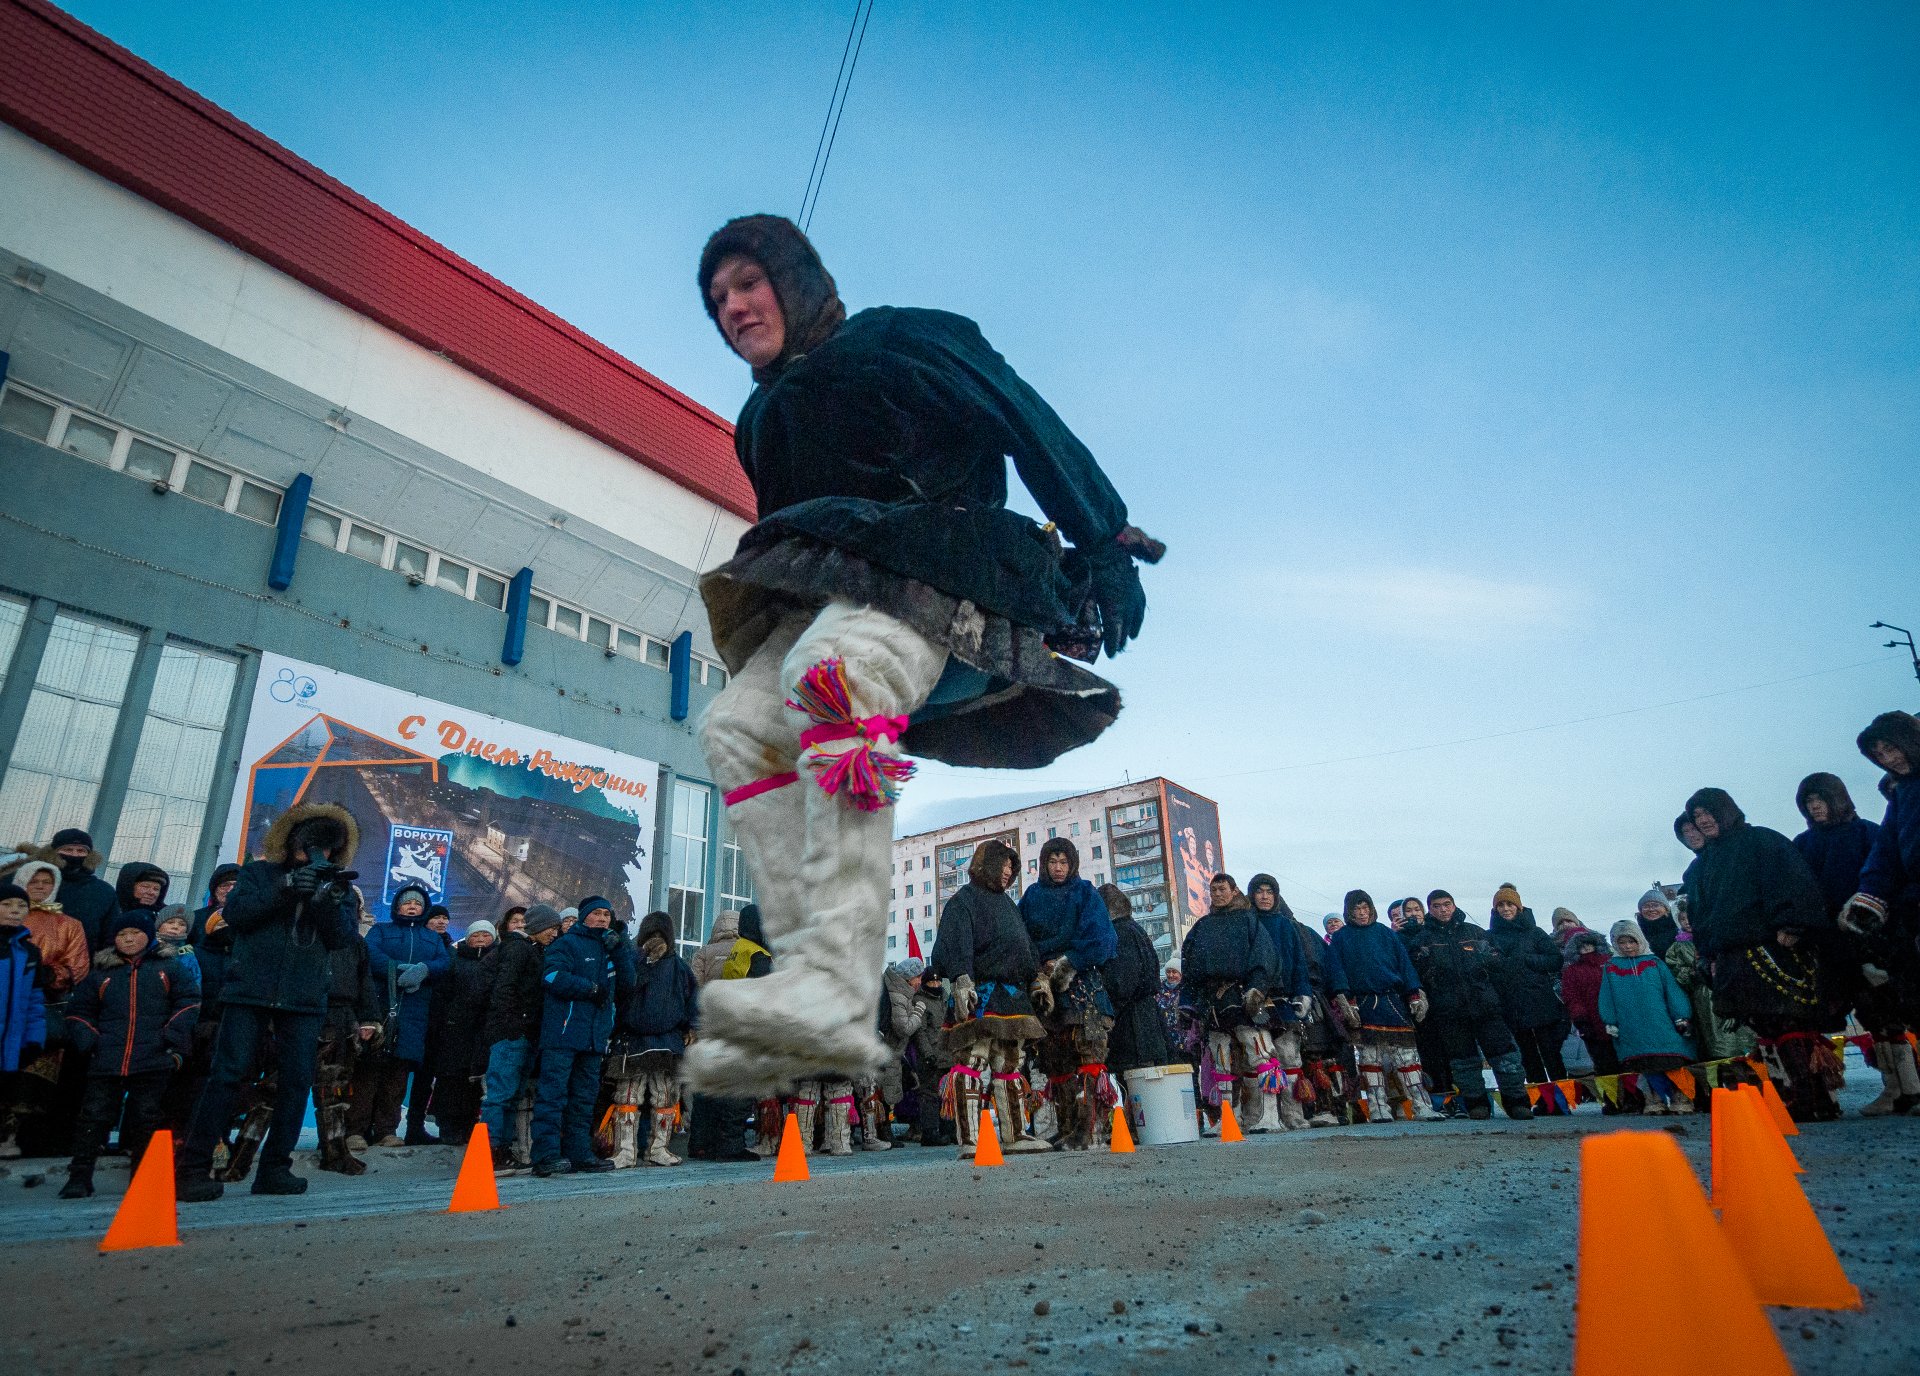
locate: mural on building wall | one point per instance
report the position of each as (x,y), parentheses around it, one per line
(1137,850)
(1194,824)
(507,814)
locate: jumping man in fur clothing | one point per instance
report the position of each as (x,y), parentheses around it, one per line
(986,958)
(887,601)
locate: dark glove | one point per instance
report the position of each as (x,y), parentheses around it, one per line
(612,940)
(1121,599)
(305,881)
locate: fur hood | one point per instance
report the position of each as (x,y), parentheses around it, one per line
(274,847)
(1898,729)
(989,858)
(132,874)
(809,301)
(1239,903)
(1718,804)
(660,925)
(111,959)
(26,850)
(1832,791)
(1060,845)
(1280,904)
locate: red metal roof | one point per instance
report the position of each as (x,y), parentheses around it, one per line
(93,101)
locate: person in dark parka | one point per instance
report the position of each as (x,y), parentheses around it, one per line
(1139,1036)
(354,1011)
(133,1015)
(23,1011)
(457,1052)
(1758,916)
(1073,938)
(656,1018)
(287,911)
(585,975)
(1528,971)
(1227,969)
(515,1003)
(84,896)
(406,958)
(1290,1002)
(985,957)
(1379,996)
(1886,908)
(1459,968)
(887,587)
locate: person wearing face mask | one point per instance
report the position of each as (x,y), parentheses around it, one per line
(656,1018)
(84,896)
(890,594)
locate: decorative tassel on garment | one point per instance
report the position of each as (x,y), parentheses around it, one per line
(1269,1077)
(1105,1094)
(868,779)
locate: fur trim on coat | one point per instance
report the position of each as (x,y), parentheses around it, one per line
(274,846)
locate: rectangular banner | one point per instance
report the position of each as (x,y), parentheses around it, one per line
(484,814)
(1194,824)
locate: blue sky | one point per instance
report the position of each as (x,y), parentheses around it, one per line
(1483,371)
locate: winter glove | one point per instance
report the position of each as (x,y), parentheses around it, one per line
(1255,1002)
(1042,995)
(1417,1005)
(1349,1013)
(411,977)
(1060,973)
(1119,596)
(1788,937)
(612,940)
(1613,1029)
(1863,915)
(965,998)
(1875,975)
(304,882)
(1302,1006)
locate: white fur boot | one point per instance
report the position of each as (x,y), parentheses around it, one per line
(626,1123)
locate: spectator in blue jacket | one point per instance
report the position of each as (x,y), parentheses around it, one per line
(585,975)
(134,1016)
(23,1009)
(1073,937)
(405,958)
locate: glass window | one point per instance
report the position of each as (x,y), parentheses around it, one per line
(369,545)
(451,576)
(321,528)
(1031,838)
(57,761)
(715,676)
(926,862)
(599,632)
(566,621)
(1094,826)
(687,863)
(1073,828)
(1097,853)
(258,503)
(929,913)
(409,559)
(205,483)
(89,439)
(632,645)
(149,461)
(490,590)
(13,616)
(736,885)
(1033,866)
(1099,879)
(24,415)
(175,764)
(1052,832)
(657,654)
(539,610)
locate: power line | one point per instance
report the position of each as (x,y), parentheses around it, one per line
(836,107)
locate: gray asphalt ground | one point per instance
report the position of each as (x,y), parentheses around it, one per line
(1368,1250)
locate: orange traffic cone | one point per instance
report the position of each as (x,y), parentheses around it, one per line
(1229,1125)
(1120,1138)
(986,1142)
(1753,1097)
(146,1216)
(1629,1253)
(791,1163)
(1766,1217)
(474,1190)
(1777,1107)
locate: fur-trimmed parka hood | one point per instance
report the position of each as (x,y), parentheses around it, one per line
(1718,804)
(132,874)
(340,847)
(111,959)
(1832,791)
(28,853)
(1901,730)
(1060,845)
(656,924)
(989,862)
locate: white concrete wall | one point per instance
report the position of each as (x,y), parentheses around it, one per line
(83,226)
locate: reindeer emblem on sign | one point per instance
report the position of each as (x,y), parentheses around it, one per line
(418,856)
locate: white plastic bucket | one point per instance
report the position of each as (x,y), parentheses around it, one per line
(1160,1103)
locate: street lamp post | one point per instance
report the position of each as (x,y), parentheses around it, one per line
(1906,639)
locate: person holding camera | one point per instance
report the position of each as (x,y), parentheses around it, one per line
(287,912)
(586,974)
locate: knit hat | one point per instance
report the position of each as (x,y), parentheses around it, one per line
(139,919)
(171,913)
(1567,917)
(1654,896)
(910,967)
(540,917)
(482,925)
(71,836)
(1506,893)
(566,913)
(588,905)
(1626,926)
(11,890)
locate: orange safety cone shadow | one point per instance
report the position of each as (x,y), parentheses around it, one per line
(1766,1216)
(474,1190)
(146,1216)
(791,1163)
(1643,1220)
(1777,1107)
(986,1142)
(1120,1138)
(1229,1125)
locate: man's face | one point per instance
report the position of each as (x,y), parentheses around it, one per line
(173,929)
(479,941)
(1651,911)
(1890,758)
(1362,915)
(146,892)
(517,923)
(1817,810)
(1443,910)
(748,310)
(545,936)
(1706,824)
(1690,836)
(438,922)
(130,941)
(40,886)
(410,906)
(1058,868)
(13,912)
(73,852)
(1173,978)
(599,919)
(220,892)
(1221,891)
(1507,909)
(1264,899)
